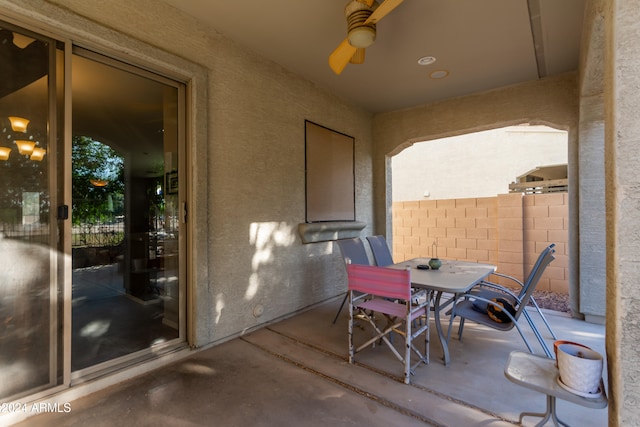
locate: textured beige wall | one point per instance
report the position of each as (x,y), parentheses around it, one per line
(622,156)
(246,160)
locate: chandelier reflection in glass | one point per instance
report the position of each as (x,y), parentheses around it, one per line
(26,147)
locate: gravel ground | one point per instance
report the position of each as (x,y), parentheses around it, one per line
(552,301)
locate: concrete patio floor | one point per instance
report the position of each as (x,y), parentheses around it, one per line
(295,372)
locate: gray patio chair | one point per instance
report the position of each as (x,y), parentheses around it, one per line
(380,250)
(489,290)
(353,252)
(470,308)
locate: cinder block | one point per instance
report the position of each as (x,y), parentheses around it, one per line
(428,222)
(446,203)
(444,242)
(456,212)
(419,213)
(404,213)
(437,232)
(561,261)
(537,211)
(468,223)
(510,246)
(509,200)
(411,222)
(511,235)
(455,253)
(410,205)
(558,236)
(543,284)
(404,231)
(428,204)
(490,245)
(559,286)
(550,199)
(467,243)
(466,203)
(437,213)
(460,233)
(419,231)
(553,272)
(487,202)
(548,223)
(446,222)
(477,233)
(490,222)
(510,224)
(478,255)
(412,240)
(533,235)
(561,211)
(477,212)
(510,257)
(510,212)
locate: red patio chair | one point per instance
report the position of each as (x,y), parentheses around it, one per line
(387,291)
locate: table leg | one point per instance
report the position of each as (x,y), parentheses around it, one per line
(550,414)
(443,340)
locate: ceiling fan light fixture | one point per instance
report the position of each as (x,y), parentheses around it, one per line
(439,74)
(362,37)
(426,60)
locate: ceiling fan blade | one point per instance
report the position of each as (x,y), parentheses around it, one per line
(383,10)
(358,57)
(341,56)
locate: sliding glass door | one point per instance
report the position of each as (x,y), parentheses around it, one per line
(125,221)
(90,223)
(30,309)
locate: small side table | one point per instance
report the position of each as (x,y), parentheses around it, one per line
(541,374)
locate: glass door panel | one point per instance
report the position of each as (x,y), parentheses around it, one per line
(124,213)
(29,310)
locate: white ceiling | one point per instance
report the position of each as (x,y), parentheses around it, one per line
(483,44)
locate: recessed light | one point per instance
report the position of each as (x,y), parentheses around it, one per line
(426,60)
(439,74)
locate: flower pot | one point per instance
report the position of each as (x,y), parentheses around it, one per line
(435,263)
(560,342)
(580,368)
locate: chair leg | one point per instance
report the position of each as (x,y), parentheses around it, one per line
(547,352)
(544,319)
(351,348)
(341,306)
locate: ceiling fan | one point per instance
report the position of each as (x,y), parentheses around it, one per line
(362,16)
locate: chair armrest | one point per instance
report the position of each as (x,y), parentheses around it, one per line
(500,288)
(508,277)
(360,296)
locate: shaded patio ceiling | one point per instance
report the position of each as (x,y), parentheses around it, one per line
(482,44)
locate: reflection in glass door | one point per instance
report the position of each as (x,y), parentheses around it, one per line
(125,221)
(29,295)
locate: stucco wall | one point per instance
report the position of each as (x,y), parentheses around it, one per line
(247,197)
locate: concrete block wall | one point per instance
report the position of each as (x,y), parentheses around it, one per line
(509,231)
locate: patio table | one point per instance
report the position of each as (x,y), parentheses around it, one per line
(455,277)
(540,373)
